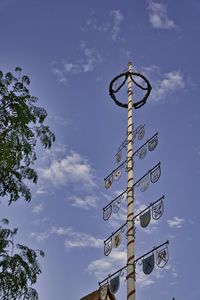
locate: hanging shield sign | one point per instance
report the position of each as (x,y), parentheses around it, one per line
(141,133)
(119,156)
(144,184)
(157,210)
(162,257)
(148,264)
(155,174)
(142,153)
(145,219)
(103,291)
(152,144)
(107,212)
(116,206)
(114,284)
(117,239)
(107,247)
(108,182)
(117,174)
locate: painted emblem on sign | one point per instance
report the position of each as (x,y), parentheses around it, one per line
(107,212)
(116,205)
(144,184)
(157,210)
(117,239)
(119,156)
(107,247)
(117,174)
(162,257)
(155,174)
(148,264)
(114,284)
(108,182)
(141,133)
(142,153)
(152,144)
(103,291)
(145,219)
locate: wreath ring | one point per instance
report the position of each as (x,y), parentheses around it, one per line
(137,104)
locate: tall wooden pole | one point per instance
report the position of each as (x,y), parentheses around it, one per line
(130,197)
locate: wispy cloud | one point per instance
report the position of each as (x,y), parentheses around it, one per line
(158,16)
(112,26)
(73,168)
(117,20)
(40,236)
(107,265)
(38,208)
(90,59)
(77,239)
(163,84)
(73,239)
(176,222)
(84,202)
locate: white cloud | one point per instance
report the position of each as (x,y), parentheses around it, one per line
(38,208)
(176,222)
(158,16)
(112,26)
(91,59)
(143,280)
(92,22)
(77,239)
(163,84)
(40,236)
(71,169)
(107,265)
(117,19)
(85,202)
(172,81)
(73,239)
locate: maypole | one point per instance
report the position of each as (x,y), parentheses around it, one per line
(159,254)
(130,196)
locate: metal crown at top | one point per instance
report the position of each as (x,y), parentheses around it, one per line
(126,74)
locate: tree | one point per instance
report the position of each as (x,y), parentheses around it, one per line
(21,126)
(19,267)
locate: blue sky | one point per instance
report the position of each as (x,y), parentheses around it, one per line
(72,50)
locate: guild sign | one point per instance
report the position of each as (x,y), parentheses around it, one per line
(114,284)
(148,264)
(162,257)
(145,219)
(103,291)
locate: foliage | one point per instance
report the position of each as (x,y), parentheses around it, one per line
(19,267)
(21,125)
